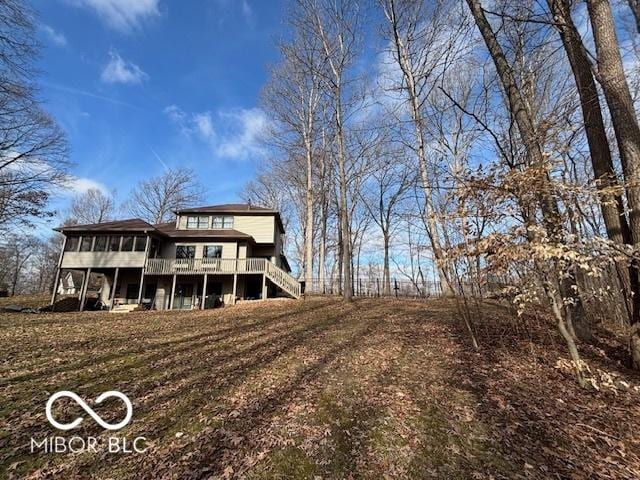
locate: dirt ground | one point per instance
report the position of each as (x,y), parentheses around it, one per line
(317,388)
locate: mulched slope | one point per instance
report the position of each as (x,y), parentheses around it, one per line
(319,388)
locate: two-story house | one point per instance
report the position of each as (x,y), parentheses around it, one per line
(207,256)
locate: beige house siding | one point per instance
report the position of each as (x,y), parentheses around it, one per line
(260,227)
(103,259)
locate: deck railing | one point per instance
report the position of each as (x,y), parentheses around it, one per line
(195,266)
(186,266)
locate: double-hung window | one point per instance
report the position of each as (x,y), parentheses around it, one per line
(198,221)
(225,221)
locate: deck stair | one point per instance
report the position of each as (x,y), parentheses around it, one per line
(283,280)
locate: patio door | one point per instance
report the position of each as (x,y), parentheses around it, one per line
(183,299)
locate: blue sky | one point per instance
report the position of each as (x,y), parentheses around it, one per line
(139,85)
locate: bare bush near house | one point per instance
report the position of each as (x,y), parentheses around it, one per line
(92,206)
(33,149)
(154,200)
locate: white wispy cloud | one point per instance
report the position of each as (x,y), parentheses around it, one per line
(122,15)
(226,9)
(231,133)
(119,70)
(57,38)
(247,11)
(78,185)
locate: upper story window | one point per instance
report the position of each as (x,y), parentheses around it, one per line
(106,243)
(140,244)
(71,244)
(212,251)
(225,221)
(114,243)
(197,221)
(127,243)
(100,244)
(86,243)
(185,251)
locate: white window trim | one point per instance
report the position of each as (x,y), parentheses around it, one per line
(198,218)
(222,217)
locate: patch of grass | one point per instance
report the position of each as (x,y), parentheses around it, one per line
(290,462)
(351,427)
(378,388)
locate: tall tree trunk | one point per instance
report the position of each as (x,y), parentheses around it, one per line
(308,237)
(522,115)
(614,85)
(404,62)
(323,250)
(345,227)
(611,205)
(386,274)
(340,256)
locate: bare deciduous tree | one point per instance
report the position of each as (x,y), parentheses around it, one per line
(336,25)
(611,76)
(155,200)
(16,252)
(92,206)
(292,96)
(33,149)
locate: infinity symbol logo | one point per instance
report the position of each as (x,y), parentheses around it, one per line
(88,409)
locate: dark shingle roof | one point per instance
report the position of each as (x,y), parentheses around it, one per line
(129,225)
(169,229)
(228,208)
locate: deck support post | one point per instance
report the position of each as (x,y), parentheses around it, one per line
(140,288)
(204,291)
(173,292)
(112,293)
(235,289)
(56,284)
(264,286)
(85,287)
